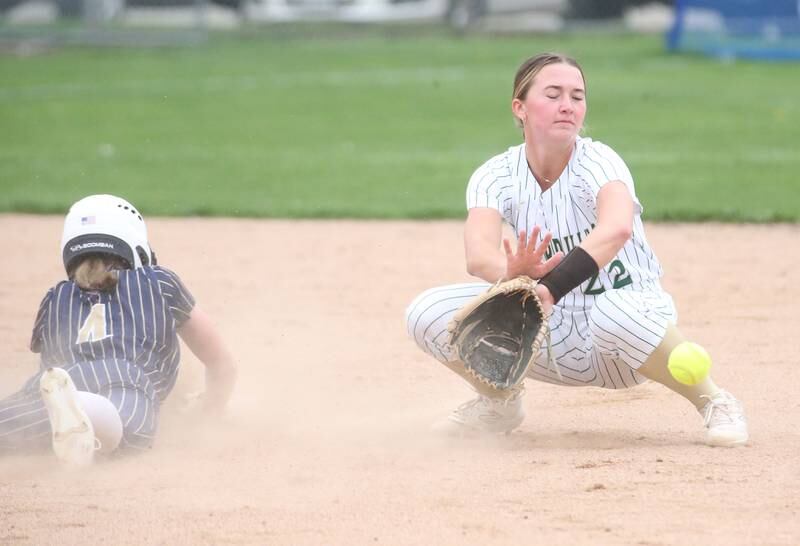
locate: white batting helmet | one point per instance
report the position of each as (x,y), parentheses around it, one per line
(105,224)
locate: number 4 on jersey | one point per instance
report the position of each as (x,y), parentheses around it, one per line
(94,327)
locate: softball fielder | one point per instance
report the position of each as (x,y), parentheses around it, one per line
(573,203)
(108,338)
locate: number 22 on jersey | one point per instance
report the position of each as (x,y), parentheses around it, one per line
(620,278)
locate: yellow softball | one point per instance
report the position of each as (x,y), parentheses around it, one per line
(689,363)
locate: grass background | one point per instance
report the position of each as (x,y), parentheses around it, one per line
(380,123)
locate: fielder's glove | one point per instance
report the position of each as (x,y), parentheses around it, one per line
(497,336)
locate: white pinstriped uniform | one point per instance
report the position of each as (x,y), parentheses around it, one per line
(132,357)
(601,331)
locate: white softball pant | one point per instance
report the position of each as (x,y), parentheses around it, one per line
(600,345)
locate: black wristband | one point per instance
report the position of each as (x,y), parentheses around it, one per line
(576,267)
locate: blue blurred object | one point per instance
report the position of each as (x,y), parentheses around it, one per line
(729,29)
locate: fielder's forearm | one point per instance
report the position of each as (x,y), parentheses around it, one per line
(614,223)
(605,242)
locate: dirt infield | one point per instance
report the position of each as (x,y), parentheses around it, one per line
(327,438)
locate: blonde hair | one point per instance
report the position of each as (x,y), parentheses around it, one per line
(528,70)
(97,272)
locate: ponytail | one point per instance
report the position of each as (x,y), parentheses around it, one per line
(96,272)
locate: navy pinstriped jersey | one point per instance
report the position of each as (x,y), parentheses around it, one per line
(127,336)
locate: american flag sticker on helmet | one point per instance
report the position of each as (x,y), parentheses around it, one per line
(87,220)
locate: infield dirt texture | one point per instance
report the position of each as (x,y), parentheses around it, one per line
(327,438)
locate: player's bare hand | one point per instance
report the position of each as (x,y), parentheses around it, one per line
(529,257)
(200,404)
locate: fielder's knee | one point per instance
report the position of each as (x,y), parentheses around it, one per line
(622,327)
(415,321)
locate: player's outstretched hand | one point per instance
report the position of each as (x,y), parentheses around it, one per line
(528,260)
(200,404)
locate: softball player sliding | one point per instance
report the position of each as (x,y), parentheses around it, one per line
(108,338)
(573,203)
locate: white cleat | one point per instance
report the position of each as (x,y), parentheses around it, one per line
(73,436)
(723,416)
(483,415)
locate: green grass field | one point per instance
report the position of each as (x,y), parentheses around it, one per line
(364,124)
